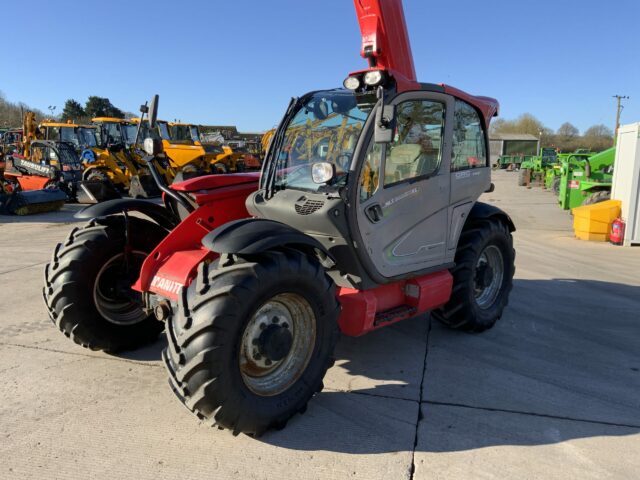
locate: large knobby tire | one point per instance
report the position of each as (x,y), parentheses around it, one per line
(87,284)
(555,186)
(597,197)
(482,277)
(523,177)
(252,340)
(98,176)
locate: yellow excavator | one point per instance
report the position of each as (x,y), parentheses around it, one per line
(115,156)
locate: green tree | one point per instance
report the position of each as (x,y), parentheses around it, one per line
(102,107)
(568,130)
(73,110)
(598,138)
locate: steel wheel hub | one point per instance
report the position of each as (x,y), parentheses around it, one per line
(489,273)
(277,344)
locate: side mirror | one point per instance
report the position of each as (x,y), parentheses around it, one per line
(322,172)
(153,111)
(385,124)
(152,146)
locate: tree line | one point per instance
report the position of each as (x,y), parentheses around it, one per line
(567,138)
(11,113)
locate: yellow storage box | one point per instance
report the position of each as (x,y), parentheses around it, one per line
(593,222)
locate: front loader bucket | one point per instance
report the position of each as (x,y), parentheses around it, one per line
(32,201)
(95,192)
(143,186)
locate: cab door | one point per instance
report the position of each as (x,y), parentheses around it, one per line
(403,188)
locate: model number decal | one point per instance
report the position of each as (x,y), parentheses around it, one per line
(166,285)
(409,193)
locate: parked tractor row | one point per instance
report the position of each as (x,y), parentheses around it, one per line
(100,161)
(578,178)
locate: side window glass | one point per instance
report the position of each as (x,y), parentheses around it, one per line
(468,138)
(417,148)
(370,176)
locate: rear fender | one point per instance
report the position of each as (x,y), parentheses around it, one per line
(158,214)
(173,264)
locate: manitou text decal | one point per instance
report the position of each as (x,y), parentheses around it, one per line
(166,285)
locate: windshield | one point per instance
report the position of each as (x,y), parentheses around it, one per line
(195,134)
(179,134)
(63,134)
(325,129)
(87,137)
(130,133)
(111,134)
(164,131)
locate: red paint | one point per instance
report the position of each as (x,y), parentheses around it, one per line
(177,257)
(617,232)
(359,307)
(211,182)
(384,33)
(28,182)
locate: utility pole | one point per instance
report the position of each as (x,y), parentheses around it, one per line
(619,98)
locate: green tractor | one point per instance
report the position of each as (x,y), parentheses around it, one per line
(564,162)
(513,162)
(585,181)
(534,169)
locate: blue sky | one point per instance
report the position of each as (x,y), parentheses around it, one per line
(239,62)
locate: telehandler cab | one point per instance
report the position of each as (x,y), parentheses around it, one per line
(345,239)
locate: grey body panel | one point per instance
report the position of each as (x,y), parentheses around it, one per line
(412,231)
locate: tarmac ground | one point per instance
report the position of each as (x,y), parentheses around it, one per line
(552,391)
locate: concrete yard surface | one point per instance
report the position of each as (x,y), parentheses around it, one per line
(552,391)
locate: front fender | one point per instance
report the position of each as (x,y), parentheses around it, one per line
(157,213)
(251,236)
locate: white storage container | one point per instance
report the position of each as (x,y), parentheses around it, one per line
(626,180)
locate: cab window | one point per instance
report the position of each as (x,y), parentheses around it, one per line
(469,148)
(416,151)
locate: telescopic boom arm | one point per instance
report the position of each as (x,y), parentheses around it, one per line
(385,40)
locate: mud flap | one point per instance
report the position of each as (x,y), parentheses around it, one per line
(95,192)
(143,186)
(32,201)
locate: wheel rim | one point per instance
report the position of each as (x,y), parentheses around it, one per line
(277,344)
(489,273)
(112,294)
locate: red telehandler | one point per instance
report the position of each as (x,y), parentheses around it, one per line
(365,214)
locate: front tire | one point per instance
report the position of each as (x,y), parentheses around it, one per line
(597,197)
(482,277)
(87,285)
(523,177)
(252,340)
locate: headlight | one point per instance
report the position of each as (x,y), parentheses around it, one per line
(322,172)
(352,83)
(373,77)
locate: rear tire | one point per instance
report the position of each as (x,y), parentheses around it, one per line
(482,277)
(87,288)
(555,186)
(217,357)
(597,197)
